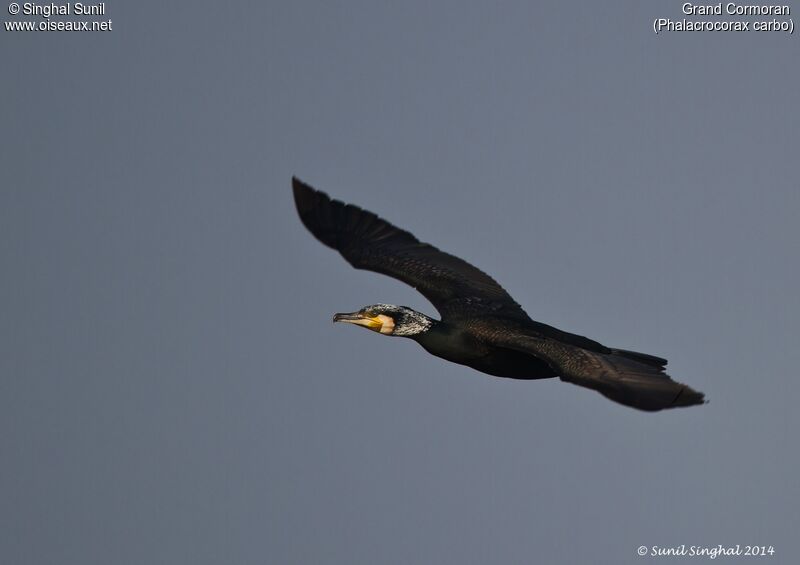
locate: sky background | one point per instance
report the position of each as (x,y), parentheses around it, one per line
(172,389)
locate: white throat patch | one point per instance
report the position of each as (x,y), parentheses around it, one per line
(387,324)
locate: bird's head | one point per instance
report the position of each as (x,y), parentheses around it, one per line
(388,319)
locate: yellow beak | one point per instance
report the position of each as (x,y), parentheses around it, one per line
(379,323)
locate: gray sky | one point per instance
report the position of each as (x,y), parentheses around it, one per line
(173,390)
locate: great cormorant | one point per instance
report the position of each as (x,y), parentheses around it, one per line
(481,326)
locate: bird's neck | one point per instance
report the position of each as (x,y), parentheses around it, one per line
(432,328)
(414,324)
(448,342)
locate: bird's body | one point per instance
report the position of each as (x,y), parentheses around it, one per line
(465,348)
(481,326)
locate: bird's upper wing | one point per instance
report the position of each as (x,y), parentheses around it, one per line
(633,379)
(453,286)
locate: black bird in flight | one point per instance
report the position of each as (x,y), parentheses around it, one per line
(481,326)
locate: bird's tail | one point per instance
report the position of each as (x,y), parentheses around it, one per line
(638,380)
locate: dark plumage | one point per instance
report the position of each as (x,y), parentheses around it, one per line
(481,326)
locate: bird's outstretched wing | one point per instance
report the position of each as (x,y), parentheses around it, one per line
(453,286)
(633,379)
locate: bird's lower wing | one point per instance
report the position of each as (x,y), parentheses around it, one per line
(630,378)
